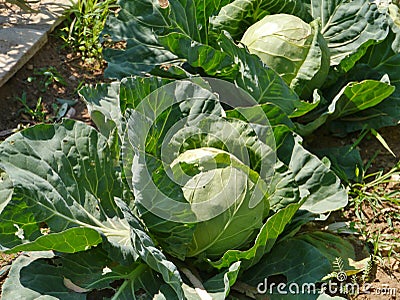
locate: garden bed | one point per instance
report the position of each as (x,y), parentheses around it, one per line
(45,90)
(75,71)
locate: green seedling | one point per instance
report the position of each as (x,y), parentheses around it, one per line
(48,76)
(38,113)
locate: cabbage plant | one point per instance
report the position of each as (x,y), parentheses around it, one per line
(178,193)
(297,51)
(180,39)
(187,38)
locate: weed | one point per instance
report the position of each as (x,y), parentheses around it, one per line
(37,114)
(40,114)
(85,21)
(375,202)
(48,75)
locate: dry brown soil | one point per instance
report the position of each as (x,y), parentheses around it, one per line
(69,65)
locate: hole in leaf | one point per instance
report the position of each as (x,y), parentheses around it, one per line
(163,3)
(276,279)
(44,228)
(100,294)
(115,284)
(54,262)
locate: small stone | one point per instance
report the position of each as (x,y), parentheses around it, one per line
(72,78)
(29,67)
(70,113)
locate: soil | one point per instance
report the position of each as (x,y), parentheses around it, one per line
(31,81)
(76,72)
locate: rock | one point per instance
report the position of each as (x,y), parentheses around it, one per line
(70,113)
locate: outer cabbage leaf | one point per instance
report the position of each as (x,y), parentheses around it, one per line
(278,120)
(283,188)
(137,23)
(357,96)
(328,243)
(102,102)
(134,89)
(212,61)
(107,103)
(150,254)
(346,162)
(141,23)
(228,278)
(47,276)
(13,288)
(69,241)
(349,27)
(217,287)
(317,183)
(65,194)
(296,260)
(204,11)
(64,186)
(352,99)
(380,61)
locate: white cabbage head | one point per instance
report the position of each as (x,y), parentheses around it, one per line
(219,182)
(294,49)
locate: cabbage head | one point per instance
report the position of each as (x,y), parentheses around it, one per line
(297,51)
(219,182)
